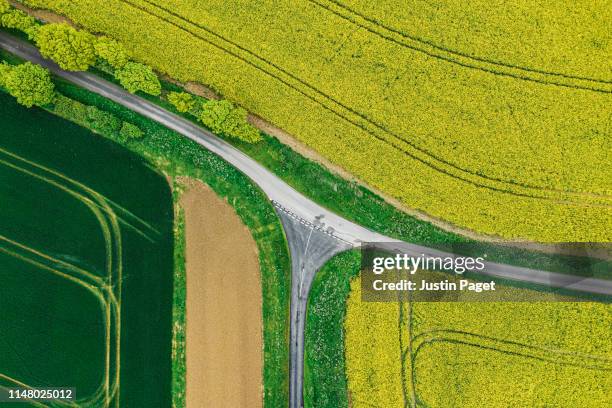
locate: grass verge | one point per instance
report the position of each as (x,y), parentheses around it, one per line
(324,369)
(179,367)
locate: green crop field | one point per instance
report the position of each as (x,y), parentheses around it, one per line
(504,131)
(529,39)
(82,307)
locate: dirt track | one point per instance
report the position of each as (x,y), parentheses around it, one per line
(224,317)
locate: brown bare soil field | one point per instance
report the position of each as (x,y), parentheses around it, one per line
(224,317)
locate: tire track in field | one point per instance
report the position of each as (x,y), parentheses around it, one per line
(416,401)
(108,221)
(404,349)
(99,200)
(463,59)
(497,348)
(544,354)
(112,238)
(96,292)
(22,385)
(378,130)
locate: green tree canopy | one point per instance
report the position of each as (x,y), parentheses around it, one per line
(247,133)
(5,69)
(103,122)
(139,77)
(4,6)
(112,52)
(223,117)
(71,49)
(31,84)
(214,114)
(18,20)
(182,101)
(129,131)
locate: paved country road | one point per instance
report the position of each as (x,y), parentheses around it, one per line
(292,203)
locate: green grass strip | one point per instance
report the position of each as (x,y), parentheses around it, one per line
(325,384)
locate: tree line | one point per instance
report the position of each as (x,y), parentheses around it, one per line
(79,50)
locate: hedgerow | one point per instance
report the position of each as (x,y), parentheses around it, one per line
(77,50)
(98,120)
(18,20)
(492,153)
(4,70)
(129,131)
(223,117)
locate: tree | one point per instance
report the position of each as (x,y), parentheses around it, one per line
(103,122)
(18,20)
(72,50)
(214,114)
(129,131)
(223,117)
(138,77)
(247,133)
(31,84)
(112,52)
(70,109)
(5,69)
(4,6)
(182,101)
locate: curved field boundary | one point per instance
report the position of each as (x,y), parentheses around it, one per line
(22,385)
(508,347)
(97,200)
(104,390)
(377,130)
(108,292)
(100,295)
(433,50)
(540,353)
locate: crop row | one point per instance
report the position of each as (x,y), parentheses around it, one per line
(378,129)
(524,346)
(570,41)
(524,354)
(459,144)
(455,375)
(373,351)
(460,58)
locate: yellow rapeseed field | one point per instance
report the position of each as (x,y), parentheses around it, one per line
(530,36)
(373,348)
(521,354)
(494,117)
